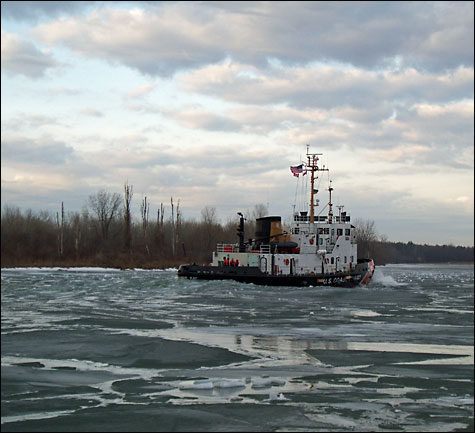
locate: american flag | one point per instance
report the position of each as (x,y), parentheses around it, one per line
(297,170)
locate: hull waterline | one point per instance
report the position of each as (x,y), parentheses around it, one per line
(361,275)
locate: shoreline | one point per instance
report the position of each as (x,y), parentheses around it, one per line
(429,263)
(170,267)
(110,264)
(85,268)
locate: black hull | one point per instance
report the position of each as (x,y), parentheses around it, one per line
(360,275)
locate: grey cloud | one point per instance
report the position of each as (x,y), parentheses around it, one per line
(203,119)
(154,44)
(364,34)
(35,151)
(238,160)
(34,10)
(140,91)
(22,57)
(417,134)
(92,112)
(447,130)
(327,86)
(161,39)
(25,121)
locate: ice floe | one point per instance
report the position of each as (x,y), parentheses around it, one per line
(264,382)
(210,384)
(274,396)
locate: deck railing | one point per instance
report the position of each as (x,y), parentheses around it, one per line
(264,249)
(227,248)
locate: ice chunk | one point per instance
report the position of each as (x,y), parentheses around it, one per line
(210,384)
(263,382)
(199,384)
(273,396)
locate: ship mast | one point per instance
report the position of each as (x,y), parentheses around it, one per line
(312,167)
(330,205)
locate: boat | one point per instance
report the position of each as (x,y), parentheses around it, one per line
(316,250)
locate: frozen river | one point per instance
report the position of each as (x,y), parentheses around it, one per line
(108,350)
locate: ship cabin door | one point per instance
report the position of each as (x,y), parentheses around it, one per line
(263,264)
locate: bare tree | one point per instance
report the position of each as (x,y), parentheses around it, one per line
(60,226)
(177,229)
(105,205)
(76,227)
(178,214)
(208,215)
(173,226)
(259,211)
(128,193)
(209,221)
(144,212)
(162,213)
(366,235)
(159,226)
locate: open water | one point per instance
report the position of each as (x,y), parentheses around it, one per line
(108,350)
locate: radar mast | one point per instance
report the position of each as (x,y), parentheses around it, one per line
(312,167)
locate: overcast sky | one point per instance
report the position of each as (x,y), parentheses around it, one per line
(212,102)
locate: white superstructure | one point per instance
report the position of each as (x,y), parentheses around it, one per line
(312,245)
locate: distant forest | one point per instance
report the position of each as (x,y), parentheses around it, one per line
(106,234)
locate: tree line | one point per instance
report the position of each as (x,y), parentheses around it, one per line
(384,251)
(105,233)
(398,252)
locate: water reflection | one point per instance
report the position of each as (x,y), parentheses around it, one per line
(294,351)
